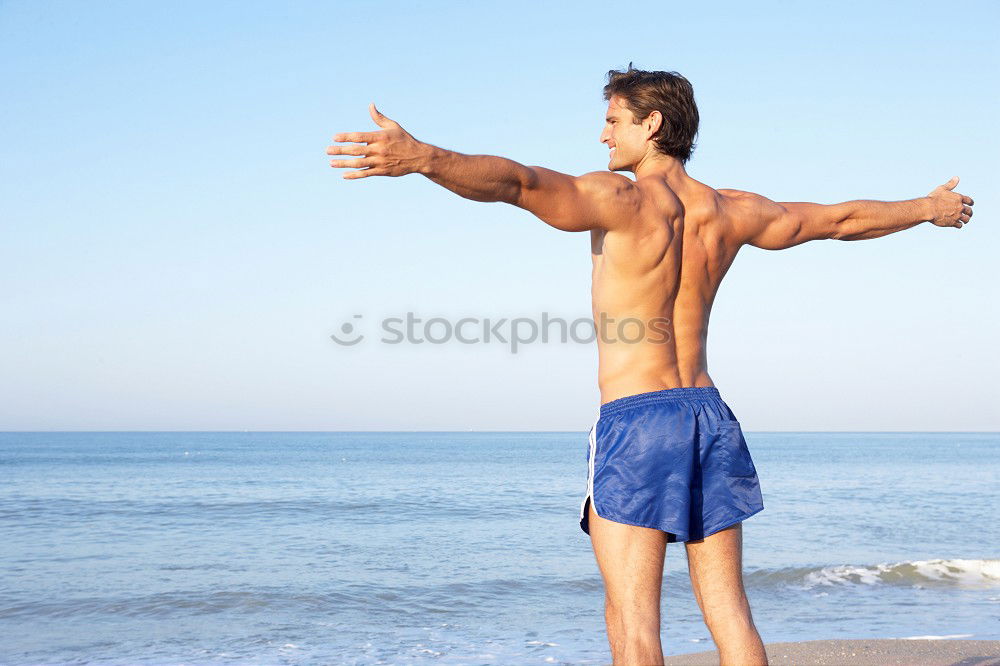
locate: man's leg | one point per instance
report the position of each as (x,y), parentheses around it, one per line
(715,564)
(631,562)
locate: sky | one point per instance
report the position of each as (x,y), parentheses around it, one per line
(176,251)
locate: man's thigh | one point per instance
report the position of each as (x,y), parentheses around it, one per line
(631,562)
(715,564)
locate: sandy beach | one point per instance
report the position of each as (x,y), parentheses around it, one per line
(867,652)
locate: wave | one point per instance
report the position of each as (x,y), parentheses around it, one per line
(956,573)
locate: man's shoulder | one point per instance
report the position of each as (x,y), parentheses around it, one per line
(742,197)
(606,179)
(735,196)
(609,188)
(742,202)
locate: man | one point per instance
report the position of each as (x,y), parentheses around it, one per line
(667,459)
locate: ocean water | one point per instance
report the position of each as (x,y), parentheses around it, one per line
(457,548)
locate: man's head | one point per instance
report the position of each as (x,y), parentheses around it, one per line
(649,113)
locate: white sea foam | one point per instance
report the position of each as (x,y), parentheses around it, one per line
(935,638)
(918,573)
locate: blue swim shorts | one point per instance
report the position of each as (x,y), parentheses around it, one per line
(674,460)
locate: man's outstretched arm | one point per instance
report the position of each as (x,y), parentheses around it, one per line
(598,200)
(772,225)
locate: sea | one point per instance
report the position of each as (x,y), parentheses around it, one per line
(457,547)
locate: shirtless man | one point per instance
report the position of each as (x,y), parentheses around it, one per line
(667,459)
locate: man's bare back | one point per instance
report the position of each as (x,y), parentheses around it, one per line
(665,267)
(673,463)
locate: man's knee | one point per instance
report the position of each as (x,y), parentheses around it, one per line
(733,619)
(631,619)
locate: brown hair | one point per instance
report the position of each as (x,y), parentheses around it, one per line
(667,92)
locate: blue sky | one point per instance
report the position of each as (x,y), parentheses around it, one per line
(176,250)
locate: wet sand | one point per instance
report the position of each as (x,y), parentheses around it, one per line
(867,652)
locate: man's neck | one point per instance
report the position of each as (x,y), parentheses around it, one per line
(661,166)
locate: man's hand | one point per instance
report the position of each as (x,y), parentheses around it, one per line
(950,209)
(391,152)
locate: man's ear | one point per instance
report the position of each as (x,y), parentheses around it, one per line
(653,123)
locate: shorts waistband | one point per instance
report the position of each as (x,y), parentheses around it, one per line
(655,397)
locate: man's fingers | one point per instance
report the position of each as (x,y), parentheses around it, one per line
(355,137)
(364,173)
(950,185)
(347,150)
(966,210)
(967,200)
(352,164)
